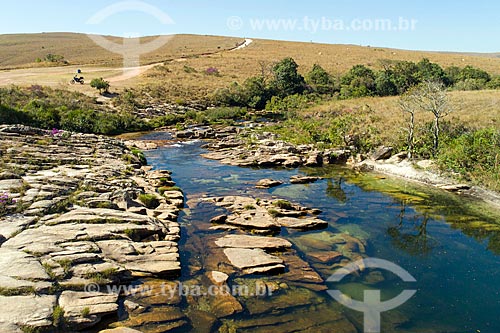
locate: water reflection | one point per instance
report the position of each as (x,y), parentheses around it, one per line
(446,244)
(334,190)
(411,237)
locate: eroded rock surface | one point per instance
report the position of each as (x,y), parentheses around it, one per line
(80,211)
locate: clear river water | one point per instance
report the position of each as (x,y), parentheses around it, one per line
(451,245)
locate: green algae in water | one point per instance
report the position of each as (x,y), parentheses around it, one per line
(449,244)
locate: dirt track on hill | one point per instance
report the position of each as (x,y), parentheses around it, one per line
(61,76)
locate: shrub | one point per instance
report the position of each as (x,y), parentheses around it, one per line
(358,82)
(475,155)
(85,312)
(384,83)
(222,113)
(164,189)
(283,204)
(100,84)
(140,155)
(469,72)
(54,58)
(5,201)
(288,103)
(212,71)
(428,71)
(149,200)
(47,108)
(57,316)
(470,84)
(320,80)
(188,69)
(287,80)
(273,212)
(494,83)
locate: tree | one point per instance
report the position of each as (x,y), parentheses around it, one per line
(407,104)
(287,80)
(405,75)
(431,97)
(428,71)
(469,72)
(452,74)
(100,84)
(358,82)
(255,92)
(384,83)
(320,80)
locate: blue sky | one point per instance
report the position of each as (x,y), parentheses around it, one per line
(472,26)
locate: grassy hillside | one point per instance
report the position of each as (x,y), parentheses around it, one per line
(186,78)
(21,50)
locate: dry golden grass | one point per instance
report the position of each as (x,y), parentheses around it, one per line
(238,65)
(474,109)
(21,50)
(201,52)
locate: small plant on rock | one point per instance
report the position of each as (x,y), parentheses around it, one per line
(5,201)
(149,200)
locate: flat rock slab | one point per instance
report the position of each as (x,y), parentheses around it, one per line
(268,183)
(303,179)
(325,257)
(253,219)
(153,258)
(20,265)
(252,242)
(48,238)
(12,224)
(34,311)
(96,304)
(250,258)
(302,223)
(100,215)
(121,330)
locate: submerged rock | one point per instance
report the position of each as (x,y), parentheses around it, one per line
(268,183)
(302,223)
(253,260)
(249,242)
(303,179)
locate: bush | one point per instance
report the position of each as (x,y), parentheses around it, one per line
(100,84)
(283,204)
(287,80)
(164,189)
(149,200)
(288,103)
(469,72)
(140,155)
(212,71)
(494,83)
(358,82)
(320,80)
(470,84)
(475,155)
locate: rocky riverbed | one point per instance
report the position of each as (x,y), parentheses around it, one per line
(80,210)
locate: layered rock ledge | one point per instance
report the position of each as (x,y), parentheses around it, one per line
(80,210)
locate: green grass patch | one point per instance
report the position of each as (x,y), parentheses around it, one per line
(149,200)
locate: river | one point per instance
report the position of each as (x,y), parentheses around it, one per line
(451,250)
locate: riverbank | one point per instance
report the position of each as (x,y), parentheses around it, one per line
(78,210)
(246,147)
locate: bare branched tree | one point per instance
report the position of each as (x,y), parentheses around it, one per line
(431,97)
(266,69)
(407,105)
